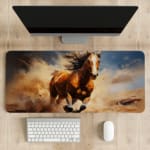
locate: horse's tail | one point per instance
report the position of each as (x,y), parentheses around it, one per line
(53,91)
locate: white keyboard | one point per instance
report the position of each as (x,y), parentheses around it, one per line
(53,129)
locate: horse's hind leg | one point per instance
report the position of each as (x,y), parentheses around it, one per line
(68,107)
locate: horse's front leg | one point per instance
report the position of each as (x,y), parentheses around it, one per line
(68,107)
(84,104)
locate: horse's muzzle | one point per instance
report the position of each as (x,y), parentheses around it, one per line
(94,76)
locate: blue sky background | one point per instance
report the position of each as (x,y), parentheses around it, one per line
(121,59)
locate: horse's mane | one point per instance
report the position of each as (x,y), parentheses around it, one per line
(76,60)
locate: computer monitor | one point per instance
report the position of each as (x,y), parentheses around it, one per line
(75,23)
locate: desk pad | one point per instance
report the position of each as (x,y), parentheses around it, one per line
(73,81)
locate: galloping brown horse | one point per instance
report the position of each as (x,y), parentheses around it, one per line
(75,84)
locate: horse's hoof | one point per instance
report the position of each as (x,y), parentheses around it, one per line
(82,107)
(68,109)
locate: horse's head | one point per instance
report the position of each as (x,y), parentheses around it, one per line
(92,64)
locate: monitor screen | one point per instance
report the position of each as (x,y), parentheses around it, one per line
(73,81)
(75,19)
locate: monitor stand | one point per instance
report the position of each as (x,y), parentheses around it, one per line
(74,39)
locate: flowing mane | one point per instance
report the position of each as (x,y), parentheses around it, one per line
(76,60)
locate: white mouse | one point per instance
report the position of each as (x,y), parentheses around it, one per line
(108,131)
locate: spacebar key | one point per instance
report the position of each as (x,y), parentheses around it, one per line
(51,140)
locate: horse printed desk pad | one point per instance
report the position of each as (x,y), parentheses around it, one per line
(72,81)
